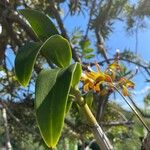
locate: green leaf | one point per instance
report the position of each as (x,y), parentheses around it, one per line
(58,50)
(55,49)
(87,50)
(24,62)
(52,89)
(84,44)
(76,75)
(44,83)
(89,56)
(42,26)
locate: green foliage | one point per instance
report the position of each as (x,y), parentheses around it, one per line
(68,143)
(123,137)
(85,49)
(128,54)
(28,143)
(24,62)
(76,75)
(105,15)
(41,24)
(82,45)
(57,49)
(143,9)
(24,133)
(89,56)
(50,100)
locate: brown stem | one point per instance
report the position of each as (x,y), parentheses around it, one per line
(62,28)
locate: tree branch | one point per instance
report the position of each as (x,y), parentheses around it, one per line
(4,115)
(101,46)
(123,59)
(90,18)
(62,28)
(14,17)
(117,123)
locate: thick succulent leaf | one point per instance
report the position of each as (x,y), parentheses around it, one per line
(52,89)
(57,49)
(75,81)
(24,62)
(76,75)
(42,26)
(44,84)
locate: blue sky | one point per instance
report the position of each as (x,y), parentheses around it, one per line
(121,40)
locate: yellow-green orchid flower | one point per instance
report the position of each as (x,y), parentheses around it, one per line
(112,69)
(93,80)
(125,84)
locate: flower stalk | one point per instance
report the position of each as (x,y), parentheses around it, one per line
(134,110)
(111,79)
(97,131)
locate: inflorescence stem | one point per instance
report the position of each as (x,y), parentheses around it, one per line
(133,109)
(99,134)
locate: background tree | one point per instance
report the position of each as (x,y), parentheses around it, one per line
(120,125)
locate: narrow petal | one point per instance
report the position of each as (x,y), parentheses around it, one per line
(98,67)
(86,87)
(99,79)
(92,75)
(83,77)
(107,78)
(130,84)
(125,91)
(115,66)
(96,88)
